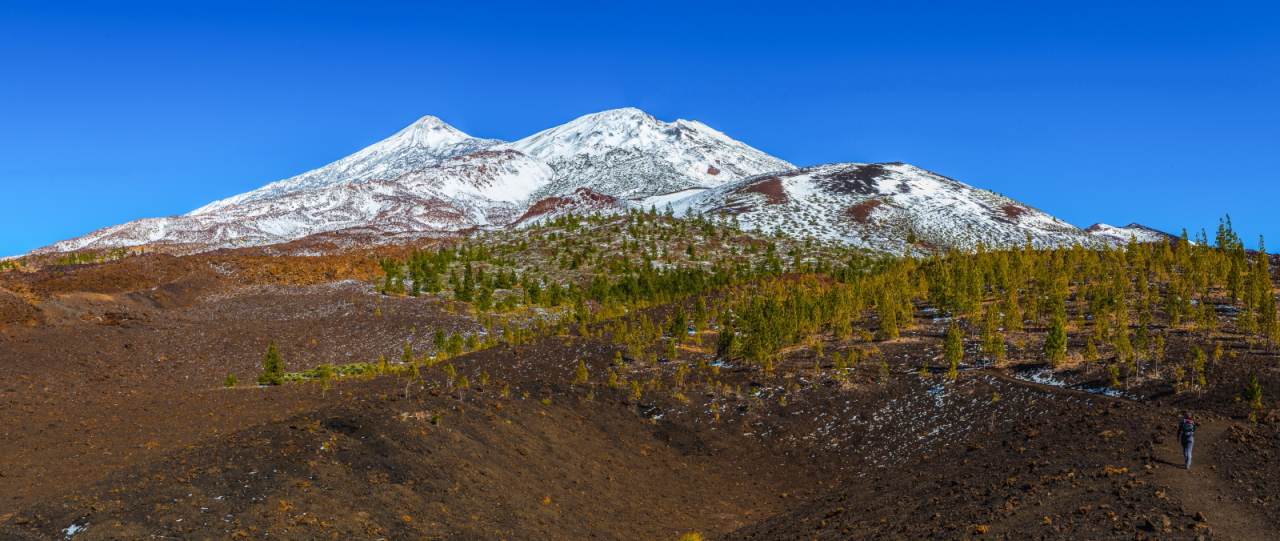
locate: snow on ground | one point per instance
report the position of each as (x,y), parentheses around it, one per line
(1120,236)
(881,206)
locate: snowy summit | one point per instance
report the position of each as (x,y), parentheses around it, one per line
(432,178)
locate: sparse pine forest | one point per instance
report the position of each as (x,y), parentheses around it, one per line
(1108,320)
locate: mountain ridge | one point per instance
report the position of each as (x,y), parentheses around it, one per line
(430,177)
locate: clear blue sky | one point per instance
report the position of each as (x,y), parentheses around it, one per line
(1161,113)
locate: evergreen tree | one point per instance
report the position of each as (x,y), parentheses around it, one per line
(840,367)
(1124,348)
(1198,359)
(580,373)
(888,321)
(1253,392)
(700,315)
(272,366)
(1090,351)
(726,346)
(992,342)
(953,350)
(1055,344)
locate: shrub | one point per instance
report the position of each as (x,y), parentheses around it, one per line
(354,369)
(1253,392)
(231,381)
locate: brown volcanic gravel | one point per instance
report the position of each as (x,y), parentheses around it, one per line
(115,426)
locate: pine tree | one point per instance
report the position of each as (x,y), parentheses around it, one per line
(1012,314)
(727,344)
(580,373)
(406,356)
(1253,392)
(1055,344)
(700,315)
(953,350)
(231,381)
(1157,349)
(992,342)
(1120,342)
(888,321)
(1090,351)
(272,366)
(1198,359)
(840,367)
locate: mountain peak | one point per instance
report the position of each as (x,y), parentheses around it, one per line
(430,175)
(423,143)
(627,153)
(427,132)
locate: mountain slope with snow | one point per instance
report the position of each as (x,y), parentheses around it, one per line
(1120,236)
(422,144)
(880,207)
(626,153)
(431,178)
(482,189)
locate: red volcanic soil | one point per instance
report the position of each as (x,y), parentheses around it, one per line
(1012,212)
(583,200)
(861,212)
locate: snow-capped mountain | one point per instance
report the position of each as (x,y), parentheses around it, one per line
(430,178)
(433,177)
(885,207)
(423,144)
(627,153)
(1120,236)
(482,189)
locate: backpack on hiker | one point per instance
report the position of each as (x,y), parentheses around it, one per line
(1186,429)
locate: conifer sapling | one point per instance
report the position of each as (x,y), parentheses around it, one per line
(272,366)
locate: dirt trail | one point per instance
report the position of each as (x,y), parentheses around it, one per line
(1202,489)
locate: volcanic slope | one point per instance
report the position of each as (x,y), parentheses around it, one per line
(833,387)
(422,144)
(627,153)
(431,177)
(1120,236)
(890,207)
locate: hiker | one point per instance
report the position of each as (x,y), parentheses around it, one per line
(1187,437)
